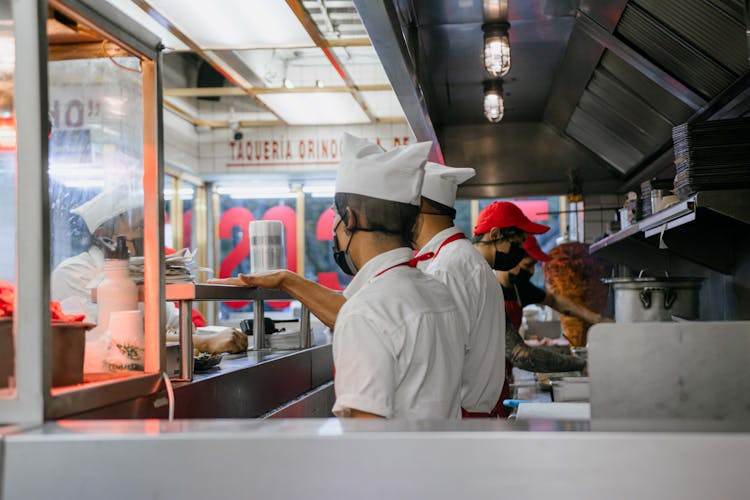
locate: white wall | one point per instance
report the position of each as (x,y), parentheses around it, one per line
(180,142)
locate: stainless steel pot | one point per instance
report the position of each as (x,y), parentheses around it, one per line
(655,299)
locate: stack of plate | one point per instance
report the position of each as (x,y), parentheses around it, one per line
(711,155)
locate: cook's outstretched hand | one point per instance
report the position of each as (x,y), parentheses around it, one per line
(235,281)
(271,280)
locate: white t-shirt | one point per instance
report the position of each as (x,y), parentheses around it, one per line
(397,343)
(480,303)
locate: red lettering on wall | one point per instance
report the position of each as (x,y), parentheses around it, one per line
(288,218)
(265,150)
(239,150)
(275,150)
(241,217)
(334,148)
(310,149)
(323,149)
(187,228)
(405,141)
(301,149)
(288,150)
(231,145)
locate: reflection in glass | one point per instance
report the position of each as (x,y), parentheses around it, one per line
(95,187)
(8,199)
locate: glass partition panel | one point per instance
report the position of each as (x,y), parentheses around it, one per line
(7,201)
(96,207)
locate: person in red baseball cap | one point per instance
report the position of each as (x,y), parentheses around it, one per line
(517,287)
(499,232)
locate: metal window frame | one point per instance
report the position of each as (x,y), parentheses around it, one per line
(34,399)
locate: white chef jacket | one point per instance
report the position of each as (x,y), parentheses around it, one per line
(75,277)
(480,303)
(397,343)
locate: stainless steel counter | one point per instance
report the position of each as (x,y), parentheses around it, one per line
(242,386)
(329,458)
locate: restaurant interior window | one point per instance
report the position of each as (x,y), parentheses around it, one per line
(96,198)
(238,206)
(319,263)
(7,200)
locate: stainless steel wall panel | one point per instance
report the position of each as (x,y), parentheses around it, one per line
(581,57)
(652,94)
(716,32)
(605,143)
(686,63)
(514,158)
(605,12)
(611,117)
(605,86)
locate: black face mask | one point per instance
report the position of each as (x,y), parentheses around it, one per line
(523,276)
(342,257)
(507,261)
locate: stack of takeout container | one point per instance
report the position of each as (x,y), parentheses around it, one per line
(711,155)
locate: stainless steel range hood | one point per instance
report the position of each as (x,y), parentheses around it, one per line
(595,86)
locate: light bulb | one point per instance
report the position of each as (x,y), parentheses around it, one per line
(496,50)
(494,106)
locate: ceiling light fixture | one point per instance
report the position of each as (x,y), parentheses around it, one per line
(496,49)
(494,106)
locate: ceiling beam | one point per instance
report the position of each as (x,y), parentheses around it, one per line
(185,115)
(234,91)
(349,42)
(312,30)
(216,63)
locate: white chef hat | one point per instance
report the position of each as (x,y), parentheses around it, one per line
(109,204)
(441,182)
(369,170)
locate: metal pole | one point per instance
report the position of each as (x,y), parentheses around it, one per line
(304,328)
(186,340)
(258,329)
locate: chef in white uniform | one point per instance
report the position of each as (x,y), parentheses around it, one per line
(473,285)
(398,339)
(113,212)
(398,342)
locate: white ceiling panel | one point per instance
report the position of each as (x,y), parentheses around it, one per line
(137,14)
(235,24)
(383,104)
(315,108)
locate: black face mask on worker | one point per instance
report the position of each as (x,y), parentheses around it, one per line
(342,257)
(507,261)
(523,276)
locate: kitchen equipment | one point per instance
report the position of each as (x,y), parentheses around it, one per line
(648,298)
(266,246)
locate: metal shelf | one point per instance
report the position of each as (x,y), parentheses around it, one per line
(202,291)
(703,229)
(186,293)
